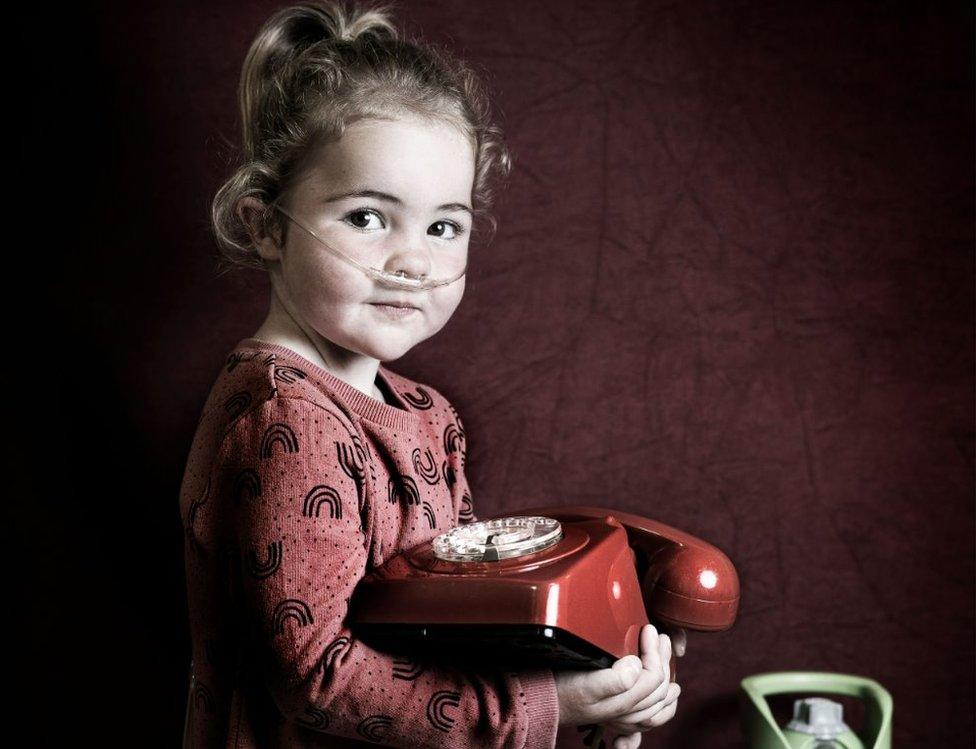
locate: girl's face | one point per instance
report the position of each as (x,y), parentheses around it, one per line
(418,166)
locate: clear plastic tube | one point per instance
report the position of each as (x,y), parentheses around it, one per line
(396,280)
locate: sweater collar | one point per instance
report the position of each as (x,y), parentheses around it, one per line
(398,416)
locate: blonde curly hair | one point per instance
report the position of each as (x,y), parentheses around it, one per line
(315,68)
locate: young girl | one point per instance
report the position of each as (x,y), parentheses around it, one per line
(368,158)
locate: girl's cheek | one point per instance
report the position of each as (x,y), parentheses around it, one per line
(449,302)
(323,279)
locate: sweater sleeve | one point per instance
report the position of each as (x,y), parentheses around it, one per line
(295,474)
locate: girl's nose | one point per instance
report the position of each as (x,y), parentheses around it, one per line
(412,258)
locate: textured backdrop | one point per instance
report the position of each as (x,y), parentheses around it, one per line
(732,290)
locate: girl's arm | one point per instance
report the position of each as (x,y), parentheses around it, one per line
(297,503)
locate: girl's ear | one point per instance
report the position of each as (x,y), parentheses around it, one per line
(251,212)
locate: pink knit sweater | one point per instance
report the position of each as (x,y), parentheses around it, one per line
(296,485)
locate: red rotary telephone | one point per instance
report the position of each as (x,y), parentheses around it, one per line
(563,587)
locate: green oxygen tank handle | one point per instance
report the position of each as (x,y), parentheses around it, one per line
(760,727)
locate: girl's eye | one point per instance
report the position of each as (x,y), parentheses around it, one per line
(361,212)
(456,228)
(360,219)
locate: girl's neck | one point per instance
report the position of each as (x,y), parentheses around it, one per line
(360,372)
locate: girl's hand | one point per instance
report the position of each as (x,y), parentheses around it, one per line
(649,713)
(607,694)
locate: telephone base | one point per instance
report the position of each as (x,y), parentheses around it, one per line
(495,645)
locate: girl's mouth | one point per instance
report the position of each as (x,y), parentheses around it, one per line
(395,312)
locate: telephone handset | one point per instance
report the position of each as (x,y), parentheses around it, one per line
(685,582)
(562,587)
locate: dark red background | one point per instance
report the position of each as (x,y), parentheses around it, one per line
(732,290)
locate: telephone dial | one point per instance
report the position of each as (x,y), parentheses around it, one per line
(562,587)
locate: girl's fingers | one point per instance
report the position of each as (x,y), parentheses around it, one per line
(627,741)
(641,716)
(665,692)
(646,690)
(650,649)
(665,648)
(680,639)
(664,715)
(609,683)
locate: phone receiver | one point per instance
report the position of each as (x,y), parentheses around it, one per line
(563,587)
(685,582)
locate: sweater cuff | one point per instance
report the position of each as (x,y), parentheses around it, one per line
(541,707)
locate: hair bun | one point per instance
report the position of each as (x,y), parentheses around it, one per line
(313,23)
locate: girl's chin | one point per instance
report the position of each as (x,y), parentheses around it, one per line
(388,350)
